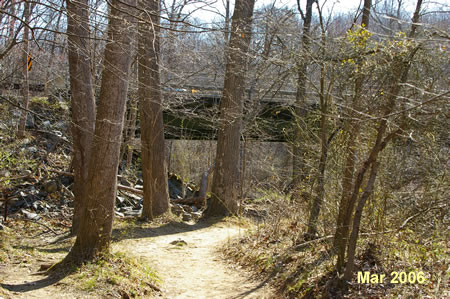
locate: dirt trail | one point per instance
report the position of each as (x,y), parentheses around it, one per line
(196,269)
(23,282)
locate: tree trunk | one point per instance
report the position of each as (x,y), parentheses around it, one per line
(53,44)
(25,84)
(400,74)
(352,130)
(83,102)
(315,210)
(131,133)
(340,236)
(298,160)
(357,221)
(154,168)
(225,188)
(227,22)
(94,233)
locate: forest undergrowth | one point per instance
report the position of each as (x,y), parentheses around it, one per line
(34,234)
(276,250)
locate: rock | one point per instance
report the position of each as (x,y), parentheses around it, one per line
(187,217)
(16,202)
(137,207)
(30,215)
(46,124)
(36,206)
(61,125)
(135,197)
(53,140)
(51,187)
(197,215)
(178,242)
(118,214)
(25,141)
(126,209)
(30,123)
(133,213)
(124,181)
(31,149)
(119,200)
(39,205)
(4,173)
(177,210)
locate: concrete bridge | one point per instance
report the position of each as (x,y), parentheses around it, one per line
(193,113)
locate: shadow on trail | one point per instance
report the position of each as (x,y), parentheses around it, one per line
(28,286)
(259,286)
(134,231)
(139,232)
(43,249)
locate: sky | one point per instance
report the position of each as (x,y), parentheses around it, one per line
(213,12)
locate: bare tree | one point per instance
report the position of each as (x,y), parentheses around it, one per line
(83,103)
(94,233)
(325,140)
(298,160)
(225,187)
(400,68)
(351,129)
(25,83)
(154,168)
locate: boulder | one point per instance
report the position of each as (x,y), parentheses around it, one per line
(30,215)
(187,217)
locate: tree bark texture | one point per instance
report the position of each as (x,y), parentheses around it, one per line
(131,134)
(318,200)
(298,160)
(154,167)
(225,188)
(357,221)
(399,75)
(352,129)
(25,85)
(94,234)
(83,102)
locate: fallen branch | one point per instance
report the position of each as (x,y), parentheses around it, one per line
(119,187)
(129,189)
(42,224)
(303,245)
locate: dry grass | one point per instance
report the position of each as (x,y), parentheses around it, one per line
(271,250)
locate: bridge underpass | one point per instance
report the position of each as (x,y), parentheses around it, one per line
(194,115)
(192,112)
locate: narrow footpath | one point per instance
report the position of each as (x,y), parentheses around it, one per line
(189,263)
